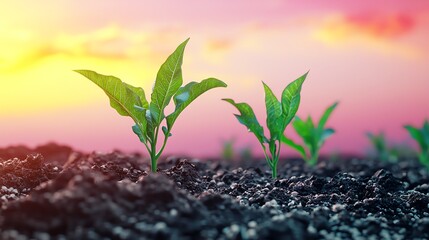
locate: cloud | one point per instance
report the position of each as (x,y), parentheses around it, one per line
(218,45)
(111,42)
(385,27)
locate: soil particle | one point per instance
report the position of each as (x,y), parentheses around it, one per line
(113,196)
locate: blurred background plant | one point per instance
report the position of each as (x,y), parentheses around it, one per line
(230,153)
(421,136)
(385,150)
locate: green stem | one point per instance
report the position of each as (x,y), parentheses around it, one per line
(313,159)
(275,159)
(153,159)
(153,155)
(163,145)
(274,172)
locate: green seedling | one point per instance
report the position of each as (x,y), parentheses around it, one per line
(379,144)
(148,117)
(421,136)
(313,137)
(245,153)
(279,115)
(228,150)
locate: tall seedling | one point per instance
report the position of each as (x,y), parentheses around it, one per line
(279,115)
(148,117)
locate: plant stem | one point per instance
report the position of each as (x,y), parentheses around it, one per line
(275,154)
(274,172)
(153,158)
(163,145)
(153,155)
(313,159)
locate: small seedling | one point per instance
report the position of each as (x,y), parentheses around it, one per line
(313,137)
(228,150)
(245,153)
(421,136)
(279,115)
(131,101)
(382,150)
(379,144)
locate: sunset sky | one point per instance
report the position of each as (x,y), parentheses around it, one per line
(371,56)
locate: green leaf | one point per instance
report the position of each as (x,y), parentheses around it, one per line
(417,135)
(310,124)
(300,149)
(291,98)
(140,95)
(139,133)
(325,135)
(150,128)
(168,81)
(273,147)
(274,114)
(425,132)
(378,141)
(302,130)
(248,119)
(122,96)
(188,93)
(326,115)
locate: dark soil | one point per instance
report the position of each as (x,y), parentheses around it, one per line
(56,193)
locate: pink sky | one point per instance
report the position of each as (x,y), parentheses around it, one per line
(370,56)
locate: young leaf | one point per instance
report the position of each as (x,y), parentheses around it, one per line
(274,113)
(300,149)
(248,119)
(326,115)
(168,81)
(313,138)
(150,125)
(302,130)
(417,135)
(326,133)
(139,133)
(291,98)
(188,93)
(122,97)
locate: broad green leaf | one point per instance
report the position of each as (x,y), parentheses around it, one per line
(141,96)
(168,81)
(417,135)
(248,119)
(274,113)
(294,145)
(122,97)
(291,98)
(188,93)
(326,115)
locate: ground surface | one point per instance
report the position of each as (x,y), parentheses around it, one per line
(61,194)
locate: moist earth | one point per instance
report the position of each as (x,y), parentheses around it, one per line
(53,192)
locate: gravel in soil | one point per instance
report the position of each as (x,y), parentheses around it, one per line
(112,196)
